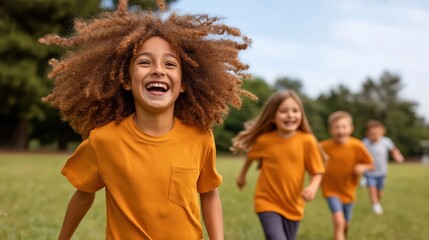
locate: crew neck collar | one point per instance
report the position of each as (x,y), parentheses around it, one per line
(139,134)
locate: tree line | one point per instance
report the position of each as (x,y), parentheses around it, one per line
(376,99)
(23,82)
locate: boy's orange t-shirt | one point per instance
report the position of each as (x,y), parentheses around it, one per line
(151,183)
(339,179)
(281,180)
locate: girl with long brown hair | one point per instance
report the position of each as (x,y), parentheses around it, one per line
(282,141)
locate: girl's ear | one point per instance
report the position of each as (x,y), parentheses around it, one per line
(182,88)
(126,86)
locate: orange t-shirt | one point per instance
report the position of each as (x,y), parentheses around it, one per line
(284,162)
(152,183)
(340,180)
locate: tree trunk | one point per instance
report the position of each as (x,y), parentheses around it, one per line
(62,141)
(14,134)
(21,134)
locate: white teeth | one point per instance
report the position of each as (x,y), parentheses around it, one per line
(157,85)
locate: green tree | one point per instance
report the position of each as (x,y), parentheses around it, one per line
(287,83)
(381,100)
(377,99)
(339,98)
(23,63)
(23,66)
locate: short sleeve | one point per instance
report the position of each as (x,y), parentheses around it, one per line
(389,143)
(209,179)
(364,156)
(82,169)
(256,151)
(314,163)
(365,142)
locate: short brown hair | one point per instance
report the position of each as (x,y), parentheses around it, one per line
(335,116)
(373,124)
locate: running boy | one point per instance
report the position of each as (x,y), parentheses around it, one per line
(348,159)
(379,146)
(144,91)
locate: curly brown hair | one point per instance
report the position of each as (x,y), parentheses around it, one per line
(88,79)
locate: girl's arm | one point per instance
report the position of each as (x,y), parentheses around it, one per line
(241,179)
(310,191)
(211,207)
(397,155)
(78,206)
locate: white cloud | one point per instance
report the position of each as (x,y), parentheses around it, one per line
(401,47)
(357,39)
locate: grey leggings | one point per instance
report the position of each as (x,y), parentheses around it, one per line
(276,227)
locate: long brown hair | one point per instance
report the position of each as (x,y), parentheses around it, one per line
(88,79)
(264,123)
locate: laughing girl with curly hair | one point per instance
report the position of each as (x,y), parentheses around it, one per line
(144,90)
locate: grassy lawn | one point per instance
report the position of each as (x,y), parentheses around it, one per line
(34,196)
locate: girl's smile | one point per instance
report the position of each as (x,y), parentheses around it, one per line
(157,88)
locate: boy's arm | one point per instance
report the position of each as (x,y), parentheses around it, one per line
(241,179)
(360,168)
(397,155)
(310,191)
(78,206)
(211,207)
(365,161)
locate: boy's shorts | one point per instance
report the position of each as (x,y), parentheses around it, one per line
(336,205)
(377,182)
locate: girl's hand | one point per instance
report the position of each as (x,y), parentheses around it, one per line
(308,193)
(241,181)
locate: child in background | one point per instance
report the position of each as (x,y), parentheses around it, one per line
(144,91)
(379,146)
(348,159)
(282,141)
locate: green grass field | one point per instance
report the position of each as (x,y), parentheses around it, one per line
(34,196)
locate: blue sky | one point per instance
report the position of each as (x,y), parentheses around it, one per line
(328,42)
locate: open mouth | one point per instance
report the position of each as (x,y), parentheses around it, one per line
(289,123)
(157,87)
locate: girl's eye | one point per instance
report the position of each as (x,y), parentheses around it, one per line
(170,64)
(144,62)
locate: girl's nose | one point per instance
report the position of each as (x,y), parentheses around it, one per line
(158,70)
(158,73)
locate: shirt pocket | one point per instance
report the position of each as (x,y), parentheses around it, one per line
(183,185)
